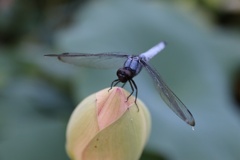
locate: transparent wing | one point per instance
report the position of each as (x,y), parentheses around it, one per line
(100,60)
(169,97)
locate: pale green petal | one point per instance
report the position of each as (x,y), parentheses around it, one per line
(111,105)
(82,127)
(122,139)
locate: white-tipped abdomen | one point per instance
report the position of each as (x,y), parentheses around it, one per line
(153,51)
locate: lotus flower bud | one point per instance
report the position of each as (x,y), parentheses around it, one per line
(107,126)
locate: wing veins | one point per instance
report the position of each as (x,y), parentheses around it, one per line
(173,102)
(100,60)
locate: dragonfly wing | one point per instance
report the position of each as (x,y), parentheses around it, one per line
(169,97)
(100,60)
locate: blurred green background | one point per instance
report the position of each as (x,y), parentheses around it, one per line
(201,64)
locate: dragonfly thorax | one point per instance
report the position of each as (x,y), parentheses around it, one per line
(133,64)
(131,68)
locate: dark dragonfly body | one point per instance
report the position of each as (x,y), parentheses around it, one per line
(133,65)
(131,68)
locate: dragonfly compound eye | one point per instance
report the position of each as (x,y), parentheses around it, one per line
(124,75)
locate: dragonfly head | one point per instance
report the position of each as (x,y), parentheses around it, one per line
(124,74)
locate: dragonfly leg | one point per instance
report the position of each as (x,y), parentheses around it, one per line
(136,93)
(114,83)
(123,85)
(133,87)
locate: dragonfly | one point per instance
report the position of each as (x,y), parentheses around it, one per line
(131,67)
